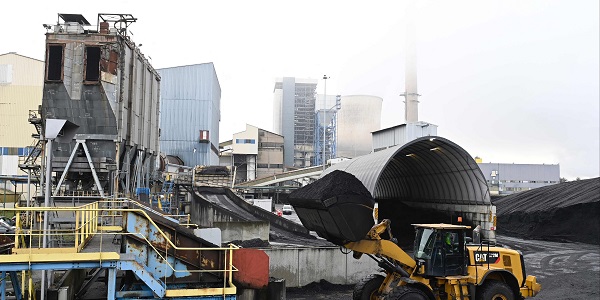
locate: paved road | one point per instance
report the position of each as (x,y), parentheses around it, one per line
(565,270)
(292,217)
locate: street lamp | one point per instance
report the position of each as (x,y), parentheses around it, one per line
(325,77)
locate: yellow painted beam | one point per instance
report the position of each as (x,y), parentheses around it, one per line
(201,292)
(58,257)
(110,228)
(43,250)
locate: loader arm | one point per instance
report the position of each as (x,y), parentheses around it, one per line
(383,248)
(373,244)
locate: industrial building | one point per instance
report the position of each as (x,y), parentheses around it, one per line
(321,127)
(99,87)
(190,113)
(254,153)
(401,134)
(506,179)
(21,82)
(294,119)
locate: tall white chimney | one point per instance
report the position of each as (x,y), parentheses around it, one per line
(411,96)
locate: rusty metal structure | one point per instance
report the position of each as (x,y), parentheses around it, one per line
(161,257)
(97,78)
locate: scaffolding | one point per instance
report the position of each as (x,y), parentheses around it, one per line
(328,126)
(304,124)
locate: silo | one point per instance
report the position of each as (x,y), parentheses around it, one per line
(358,117)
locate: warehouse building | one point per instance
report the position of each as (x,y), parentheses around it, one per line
(506,179)
(21,82)
(190,113)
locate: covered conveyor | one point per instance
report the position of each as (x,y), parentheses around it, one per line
(430,179)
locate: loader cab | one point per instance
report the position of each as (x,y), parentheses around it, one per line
(440,250)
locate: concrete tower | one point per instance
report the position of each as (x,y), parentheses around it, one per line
(411,112)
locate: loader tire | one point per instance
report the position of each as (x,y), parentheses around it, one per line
(405,292)
(367,287)
(495,290)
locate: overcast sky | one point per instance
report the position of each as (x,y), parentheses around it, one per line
(509,81)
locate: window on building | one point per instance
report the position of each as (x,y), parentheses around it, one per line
(5,74)
(276,166)
(92,64)
(245,141)
(9,151)
(262,166)
(54,63)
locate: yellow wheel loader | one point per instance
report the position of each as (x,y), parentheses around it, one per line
(444,265)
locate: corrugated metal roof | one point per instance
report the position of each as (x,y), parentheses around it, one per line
(428,169)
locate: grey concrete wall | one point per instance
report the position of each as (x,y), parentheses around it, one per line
(301,266)
(204,213)
(266,215)
(236,231)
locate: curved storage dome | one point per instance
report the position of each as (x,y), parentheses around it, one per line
(426,170)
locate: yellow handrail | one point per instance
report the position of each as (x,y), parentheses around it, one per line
(86,226)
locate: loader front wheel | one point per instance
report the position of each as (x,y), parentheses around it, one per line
(405,292)
(367,287)
(495,290)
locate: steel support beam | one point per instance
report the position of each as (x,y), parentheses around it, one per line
(87,154)
(111,284)
(64,174)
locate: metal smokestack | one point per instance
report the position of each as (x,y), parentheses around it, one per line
(411,96)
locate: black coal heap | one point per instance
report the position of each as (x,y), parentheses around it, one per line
(338,207)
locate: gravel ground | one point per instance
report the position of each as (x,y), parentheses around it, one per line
(565,270)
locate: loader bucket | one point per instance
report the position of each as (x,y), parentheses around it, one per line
(337,207)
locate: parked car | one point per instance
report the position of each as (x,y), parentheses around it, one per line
(287,209)
(8,220)
(5,227)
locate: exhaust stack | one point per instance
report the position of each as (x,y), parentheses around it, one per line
(411,96)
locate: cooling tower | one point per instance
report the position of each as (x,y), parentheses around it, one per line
(358,117)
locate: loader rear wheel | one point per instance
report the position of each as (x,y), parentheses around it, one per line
(495,290)
(405,292)
(367,287)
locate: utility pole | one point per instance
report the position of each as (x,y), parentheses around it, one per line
(325,77)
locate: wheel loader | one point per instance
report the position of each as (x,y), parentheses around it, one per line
(445,263)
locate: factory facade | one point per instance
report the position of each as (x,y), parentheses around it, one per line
(253,153)
(505,179)
(190,113)
(21,82)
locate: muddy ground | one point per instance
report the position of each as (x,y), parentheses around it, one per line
(565,270)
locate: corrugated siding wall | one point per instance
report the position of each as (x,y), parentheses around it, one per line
(190,102)
(22,94)
(520,172)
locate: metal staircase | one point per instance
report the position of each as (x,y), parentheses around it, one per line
(31,162)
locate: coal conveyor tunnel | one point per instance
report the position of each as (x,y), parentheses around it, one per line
(428,180)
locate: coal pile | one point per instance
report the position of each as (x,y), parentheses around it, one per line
(338,207)
(564,212)
(331,185)
(252,243)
